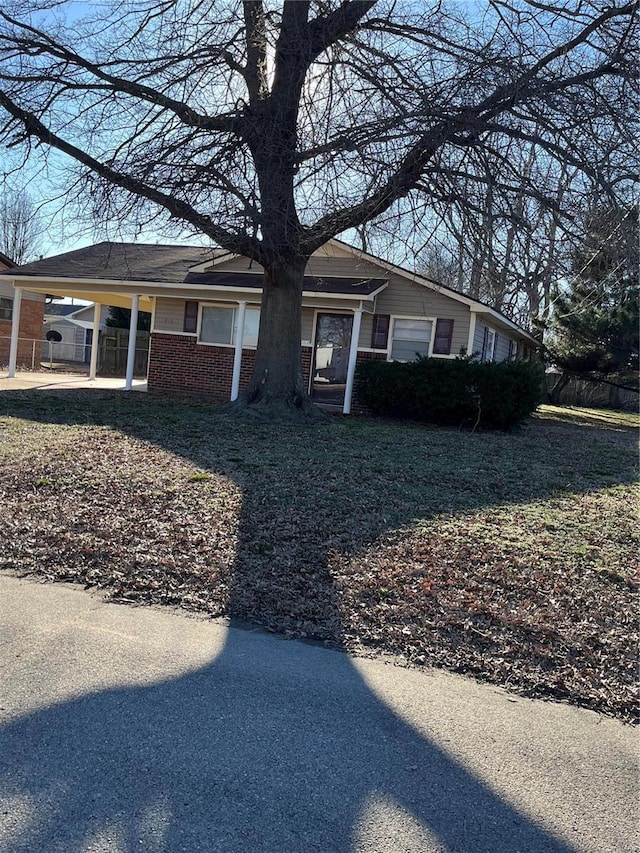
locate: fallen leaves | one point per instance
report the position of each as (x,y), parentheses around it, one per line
(441,548)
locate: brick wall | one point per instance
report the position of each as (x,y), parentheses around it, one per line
(178,365)
(356,408)
(31,319)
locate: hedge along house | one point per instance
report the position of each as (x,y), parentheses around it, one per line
(205,306)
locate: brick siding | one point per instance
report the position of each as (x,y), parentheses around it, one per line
(178,365)
(31,319)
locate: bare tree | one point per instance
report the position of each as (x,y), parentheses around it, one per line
(20,228)
(271,128)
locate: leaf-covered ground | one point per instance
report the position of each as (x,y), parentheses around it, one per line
(512,557)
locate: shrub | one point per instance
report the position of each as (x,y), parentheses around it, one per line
(460,392)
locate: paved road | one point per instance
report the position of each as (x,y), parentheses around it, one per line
(132,729)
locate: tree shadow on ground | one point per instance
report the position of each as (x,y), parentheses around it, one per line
(258,752)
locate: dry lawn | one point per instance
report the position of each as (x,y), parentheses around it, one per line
(512,557)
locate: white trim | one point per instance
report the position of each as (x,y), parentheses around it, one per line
(131,348)
(394,317)
(432,285)
(472,332)
(237,345)
(15,332)
(149,288)
(353,356)
(156,331)
(230,305)
(314,329)
(93,363)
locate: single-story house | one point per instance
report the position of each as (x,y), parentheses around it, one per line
(205,306)
(29,332)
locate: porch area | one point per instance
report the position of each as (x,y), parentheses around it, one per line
(52,380)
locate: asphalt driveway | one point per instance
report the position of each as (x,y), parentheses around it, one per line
(127,729)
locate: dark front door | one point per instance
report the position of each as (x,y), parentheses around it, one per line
(331,358)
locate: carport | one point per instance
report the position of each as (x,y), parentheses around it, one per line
(127,297)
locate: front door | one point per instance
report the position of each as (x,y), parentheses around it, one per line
(331,358)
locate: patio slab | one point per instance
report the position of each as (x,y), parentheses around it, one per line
(45,380)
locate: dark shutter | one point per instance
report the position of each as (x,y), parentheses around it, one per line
(380,331)
(495,346)
(190,317)
(510,350)
(442,340)
(485,341)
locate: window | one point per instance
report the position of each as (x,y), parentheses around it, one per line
(410,339)
(6,309)
(489,344)
(218,326)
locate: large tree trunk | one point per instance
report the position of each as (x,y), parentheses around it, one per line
(276,388)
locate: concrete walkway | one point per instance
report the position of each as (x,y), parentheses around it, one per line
(46,380)
(127,729)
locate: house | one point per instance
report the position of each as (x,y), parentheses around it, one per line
(73,328)
(205,306)
(29,331)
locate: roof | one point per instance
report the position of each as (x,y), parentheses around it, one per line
(167,264)
(5,259)
(312,284)
(61,310)
(146,262)
(474,304)
(119,262)
(71,321)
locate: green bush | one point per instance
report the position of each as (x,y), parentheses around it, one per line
(461,392)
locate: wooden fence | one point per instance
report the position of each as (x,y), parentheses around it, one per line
(112,354)
(584,392)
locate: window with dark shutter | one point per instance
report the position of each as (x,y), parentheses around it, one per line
(380,331)
(190,317)
(442,340)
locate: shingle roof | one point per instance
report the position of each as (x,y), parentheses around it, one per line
(54,310)
(168,264)
(119,262)
(358,286)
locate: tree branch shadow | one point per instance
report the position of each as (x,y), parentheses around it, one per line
(258,750)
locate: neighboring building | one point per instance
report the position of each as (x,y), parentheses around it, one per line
(31,316)
(74,325)
(199,297)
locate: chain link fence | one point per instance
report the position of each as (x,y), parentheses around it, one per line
(113,347)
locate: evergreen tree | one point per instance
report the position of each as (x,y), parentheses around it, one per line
(120,318)
(594,328)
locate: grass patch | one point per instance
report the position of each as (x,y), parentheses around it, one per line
(512,557)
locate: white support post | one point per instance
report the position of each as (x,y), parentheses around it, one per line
(353,354)
(93,366)
(15,332)
(131,350)
(237,355)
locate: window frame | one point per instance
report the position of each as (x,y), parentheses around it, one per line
(8,307)
(489,352)
(229,306)
(392,328)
